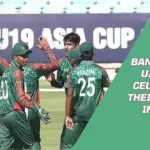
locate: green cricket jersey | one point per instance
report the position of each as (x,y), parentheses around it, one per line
(31,81)
(88,79)
(33,72)
(13,96)
(3,66)
(31,77)
(63,71)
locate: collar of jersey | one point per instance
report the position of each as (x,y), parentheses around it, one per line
(14,63)
(85,61)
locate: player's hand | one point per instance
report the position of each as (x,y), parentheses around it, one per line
(32,100)
(43,44)
(50,77)
(44,115)
(69,123)
(27,96)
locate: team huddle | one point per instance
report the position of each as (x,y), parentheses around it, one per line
(20,109)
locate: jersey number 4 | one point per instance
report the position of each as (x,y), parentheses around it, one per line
(89,85)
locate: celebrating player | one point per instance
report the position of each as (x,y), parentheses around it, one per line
(71,41)
(86,81)
(32,73)
(3,66)
(14,126)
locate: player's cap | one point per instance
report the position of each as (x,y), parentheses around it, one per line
(20,48)
(74,54)
(1,39)
(86,48)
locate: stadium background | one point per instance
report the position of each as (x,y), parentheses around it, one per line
(16,15)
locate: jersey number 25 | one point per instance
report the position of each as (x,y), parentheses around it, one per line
(89,85)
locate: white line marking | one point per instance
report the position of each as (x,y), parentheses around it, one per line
(52,90)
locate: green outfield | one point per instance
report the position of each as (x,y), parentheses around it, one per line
(55,103)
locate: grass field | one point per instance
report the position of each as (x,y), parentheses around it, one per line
(55,103)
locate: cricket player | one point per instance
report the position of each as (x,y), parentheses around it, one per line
(14,126)
(66,136)
(71,41)
(3,66)
(87,81)
(3,63)
(32,73)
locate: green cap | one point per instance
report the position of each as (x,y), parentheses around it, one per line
(86,48)
(74,54)
(20,48)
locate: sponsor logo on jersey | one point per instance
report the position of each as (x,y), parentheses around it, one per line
(25,73)
(66,69)
(6,74)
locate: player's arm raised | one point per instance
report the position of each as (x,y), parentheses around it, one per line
(45,69)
